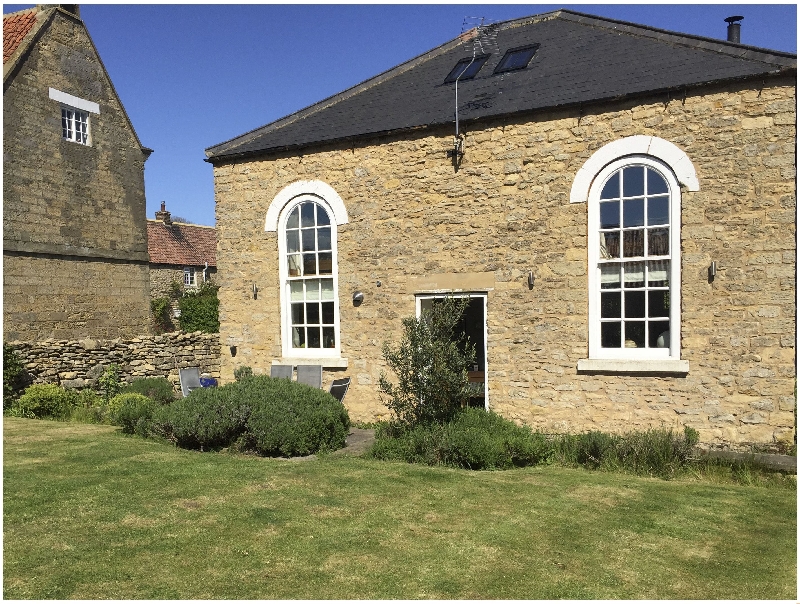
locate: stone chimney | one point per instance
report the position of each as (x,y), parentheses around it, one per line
(734,29)
(163,215)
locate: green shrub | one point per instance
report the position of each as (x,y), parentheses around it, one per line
(109,383)
(132,412)
(474,439)
(15,378)
(162,315)
(200,309)
(159,389)
(431,363)
(44,401)
(241,372)
(269,416)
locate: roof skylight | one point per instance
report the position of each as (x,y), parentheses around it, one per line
(516,58)
(466,68)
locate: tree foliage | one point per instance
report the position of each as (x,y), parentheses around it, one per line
(200,309)
(431,363)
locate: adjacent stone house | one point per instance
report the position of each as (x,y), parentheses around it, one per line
(179,253)
(75,259)
(617,201)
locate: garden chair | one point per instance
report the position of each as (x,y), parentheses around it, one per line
(310,375)
(339,388)
(281,371)
(190,379)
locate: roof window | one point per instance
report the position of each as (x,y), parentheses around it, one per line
(466,68)
(516,58)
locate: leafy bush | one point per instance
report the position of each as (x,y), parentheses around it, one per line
(431,363)
(655,452)
(269,416)
(109,382)
(159,389)
(200,309)
(242,372)
(162,315)
(15,378)
(44,401)
(132,412)
(475,439)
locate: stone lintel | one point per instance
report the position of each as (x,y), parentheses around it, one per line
(329,363)
(451,282)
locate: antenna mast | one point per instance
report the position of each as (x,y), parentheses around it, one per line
(484,40)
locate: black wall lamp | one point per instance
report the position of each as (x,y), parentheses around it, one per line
(255,292)
(358,298)
(531,279)
(712,271)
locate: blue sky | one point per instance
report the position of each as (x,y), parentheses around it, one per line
(192,76)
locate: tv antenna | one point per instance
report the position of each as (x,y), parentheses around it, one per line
(483,34)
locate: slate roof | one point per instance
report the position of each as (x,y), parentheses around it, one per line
(15,27)
(581,59)
(181,244)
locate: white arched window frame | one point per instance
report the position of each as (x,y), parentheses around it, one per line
(322,197)
(659,354)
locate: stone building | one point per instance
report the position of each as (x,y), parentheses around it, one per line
(179,253)
(617,201)
(74,237)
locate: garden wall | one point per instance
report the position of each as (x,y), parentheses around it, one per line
(77,364)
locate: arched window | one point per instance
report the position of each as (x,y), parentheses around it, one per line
(306,215)
(634,261)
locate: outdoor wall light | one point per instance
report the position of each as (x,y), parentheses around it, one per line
(531,279)
(358,298)
(233,351)
(712,271)
(255,292)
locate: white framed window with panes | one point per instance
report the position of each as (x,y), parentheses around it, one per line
(307,243)
(75,120)
(189,276)
(634,261)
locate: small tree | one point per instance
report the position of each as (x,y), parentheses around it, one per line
(431,363)
(15,378)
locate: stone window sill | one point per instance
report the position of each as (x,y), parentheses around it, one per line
(633,367)
(327,363)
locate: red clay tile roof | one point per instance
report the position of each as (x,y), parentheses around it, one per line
(181,244)
(15,27)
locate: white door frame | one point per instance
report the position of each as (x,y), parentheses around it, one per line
(485,296)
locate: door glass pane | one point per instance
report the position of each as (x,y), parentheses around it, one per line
(298,337)
(658,210)
(611,188)
(610,334)
(633,243)
(328,337)
(309,264)
(634,274)
(609,215)
(294,265)
(610,304)
(609,276)
(634,334)
(633,212)
(633,181)
(307,214)
(609,245)
(313,337)
(655,183)
(297,314)
(327,289)
(634,304)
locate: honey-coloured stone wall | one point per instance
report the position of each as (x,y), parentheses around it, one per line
(415,221)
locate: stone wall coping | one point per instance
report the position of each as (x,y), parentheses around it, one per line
(648,366)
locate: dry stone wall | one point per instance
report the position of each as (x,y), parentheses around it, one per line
(77,364)
(414,220)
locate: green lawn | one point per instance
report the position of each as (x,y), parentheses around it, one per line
(89,513)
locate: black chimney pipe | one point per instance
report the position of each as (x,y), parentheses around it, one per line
(734,29)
